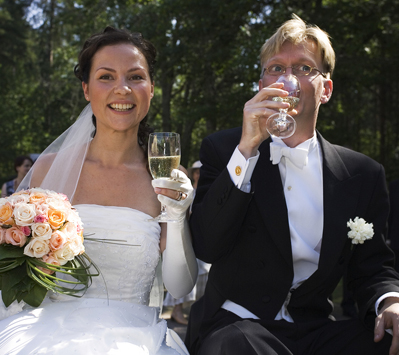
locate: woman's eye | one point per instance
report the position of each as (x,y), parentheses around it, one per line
(105,77)
(136,77)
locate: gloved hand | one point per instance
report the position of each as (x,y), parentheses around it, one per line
(179,265)
(179,181)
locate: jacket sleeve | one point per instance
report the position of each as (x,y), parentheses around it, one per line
(370,271)
(219,207)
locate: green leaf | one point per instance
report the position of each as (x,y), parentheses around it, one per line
(12,284)
(36,295)
(10,251)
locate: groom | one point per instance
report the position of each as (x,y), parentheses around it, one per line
(271,216)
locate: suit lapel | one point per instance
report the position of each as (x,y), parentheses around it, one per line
(340,196)
(269,197)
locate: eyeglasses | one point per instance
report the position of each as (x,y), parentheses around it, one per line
(298,70)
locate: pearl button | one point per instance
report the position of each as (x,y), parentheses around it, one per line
(289,188)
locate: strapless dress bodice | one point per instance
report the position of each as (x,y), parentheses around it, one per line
(128,266)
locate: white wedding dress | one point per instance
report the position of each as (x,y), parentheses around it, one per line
(113,317)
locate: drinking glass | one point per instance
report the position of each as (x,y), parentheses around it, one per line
(163,157)
(281,124)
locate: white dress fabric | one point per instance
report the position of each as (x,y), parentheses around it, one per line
(113,317)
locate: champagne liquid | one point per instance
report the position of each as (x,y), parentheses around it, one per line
(161,167)
(293,101)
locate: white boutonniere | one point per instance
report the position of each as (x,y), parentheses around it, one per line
(360,230)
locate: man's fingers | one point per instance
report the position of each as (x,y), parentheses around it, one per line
(270,91)
(379,329)
(394,349)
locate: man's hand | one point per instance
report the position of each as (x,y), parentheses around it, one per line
(388,319)
(256,112)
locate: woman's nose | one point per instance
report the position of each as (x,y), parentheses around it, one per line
(122,88)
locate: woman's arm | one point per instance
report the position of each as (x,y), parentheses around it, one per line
(179,266)
(4,190)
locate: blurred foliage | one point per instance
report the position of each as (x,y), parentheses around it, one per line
(207,67)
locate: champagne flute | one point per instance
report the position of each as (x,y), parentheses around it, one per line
(163,157)
(281,124)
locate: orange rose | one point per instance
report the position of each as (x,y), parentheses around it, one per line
(56,218)
(37,198)
(5,212)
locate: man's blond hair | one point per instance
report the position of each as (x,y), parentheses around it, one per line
(297,31)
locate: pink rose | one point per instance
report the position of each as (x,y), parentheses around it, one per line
(42,209)
(15,236)
(41,218)
(79,229)
(25,230)
(57,240)
(49,259)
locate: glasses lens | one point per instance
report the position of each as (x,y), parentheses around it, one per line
(302,70)
(276,70)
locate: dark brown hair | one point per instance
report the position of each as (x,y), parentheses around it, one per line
(20,160)
(109,37)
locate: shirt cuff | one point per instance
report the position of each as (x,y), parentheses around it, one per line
(241,170)
(383,297)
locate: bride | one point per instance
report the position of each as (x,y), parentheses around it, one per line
(100,163)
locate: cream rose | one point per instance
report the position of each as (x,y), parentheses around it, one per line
(37,248)
(77,246)
(24,214)
(58,205)
(74,217)
(41,230)
(70,230)
(65,254)
(17,199)
(58,240)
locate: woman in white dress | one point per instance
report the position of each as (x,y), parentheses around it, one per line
(100,163)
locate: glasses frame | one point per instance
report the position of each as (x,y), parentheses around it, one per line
(266,70)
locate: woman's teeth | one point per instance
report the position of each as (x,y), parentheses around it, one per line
(121,107)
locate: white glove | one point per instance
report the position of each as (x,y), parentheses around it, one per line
(179,181)
(179,265)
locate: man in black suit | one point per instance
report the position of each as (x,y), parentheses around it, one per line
(271,216)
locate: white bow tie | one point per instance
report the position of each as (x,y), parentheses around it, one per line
(297,156)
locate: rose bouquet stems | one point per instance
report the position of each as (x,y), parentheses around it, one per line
(41,248)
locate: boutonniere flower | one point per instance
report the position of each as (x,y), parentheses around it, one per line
(360,230)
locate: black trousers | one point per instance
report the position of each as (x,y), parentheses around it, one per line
(230,335)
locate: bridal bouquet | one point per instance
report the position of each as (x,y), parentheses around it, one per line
(41,235)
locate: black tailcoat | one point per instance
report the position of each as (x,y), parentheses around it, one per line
(246,238)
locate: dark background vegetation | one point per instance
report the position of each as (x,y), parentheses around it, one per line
(207,67)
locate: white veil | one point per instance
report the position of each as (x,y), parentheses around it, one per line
(59,168)
(61,162)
